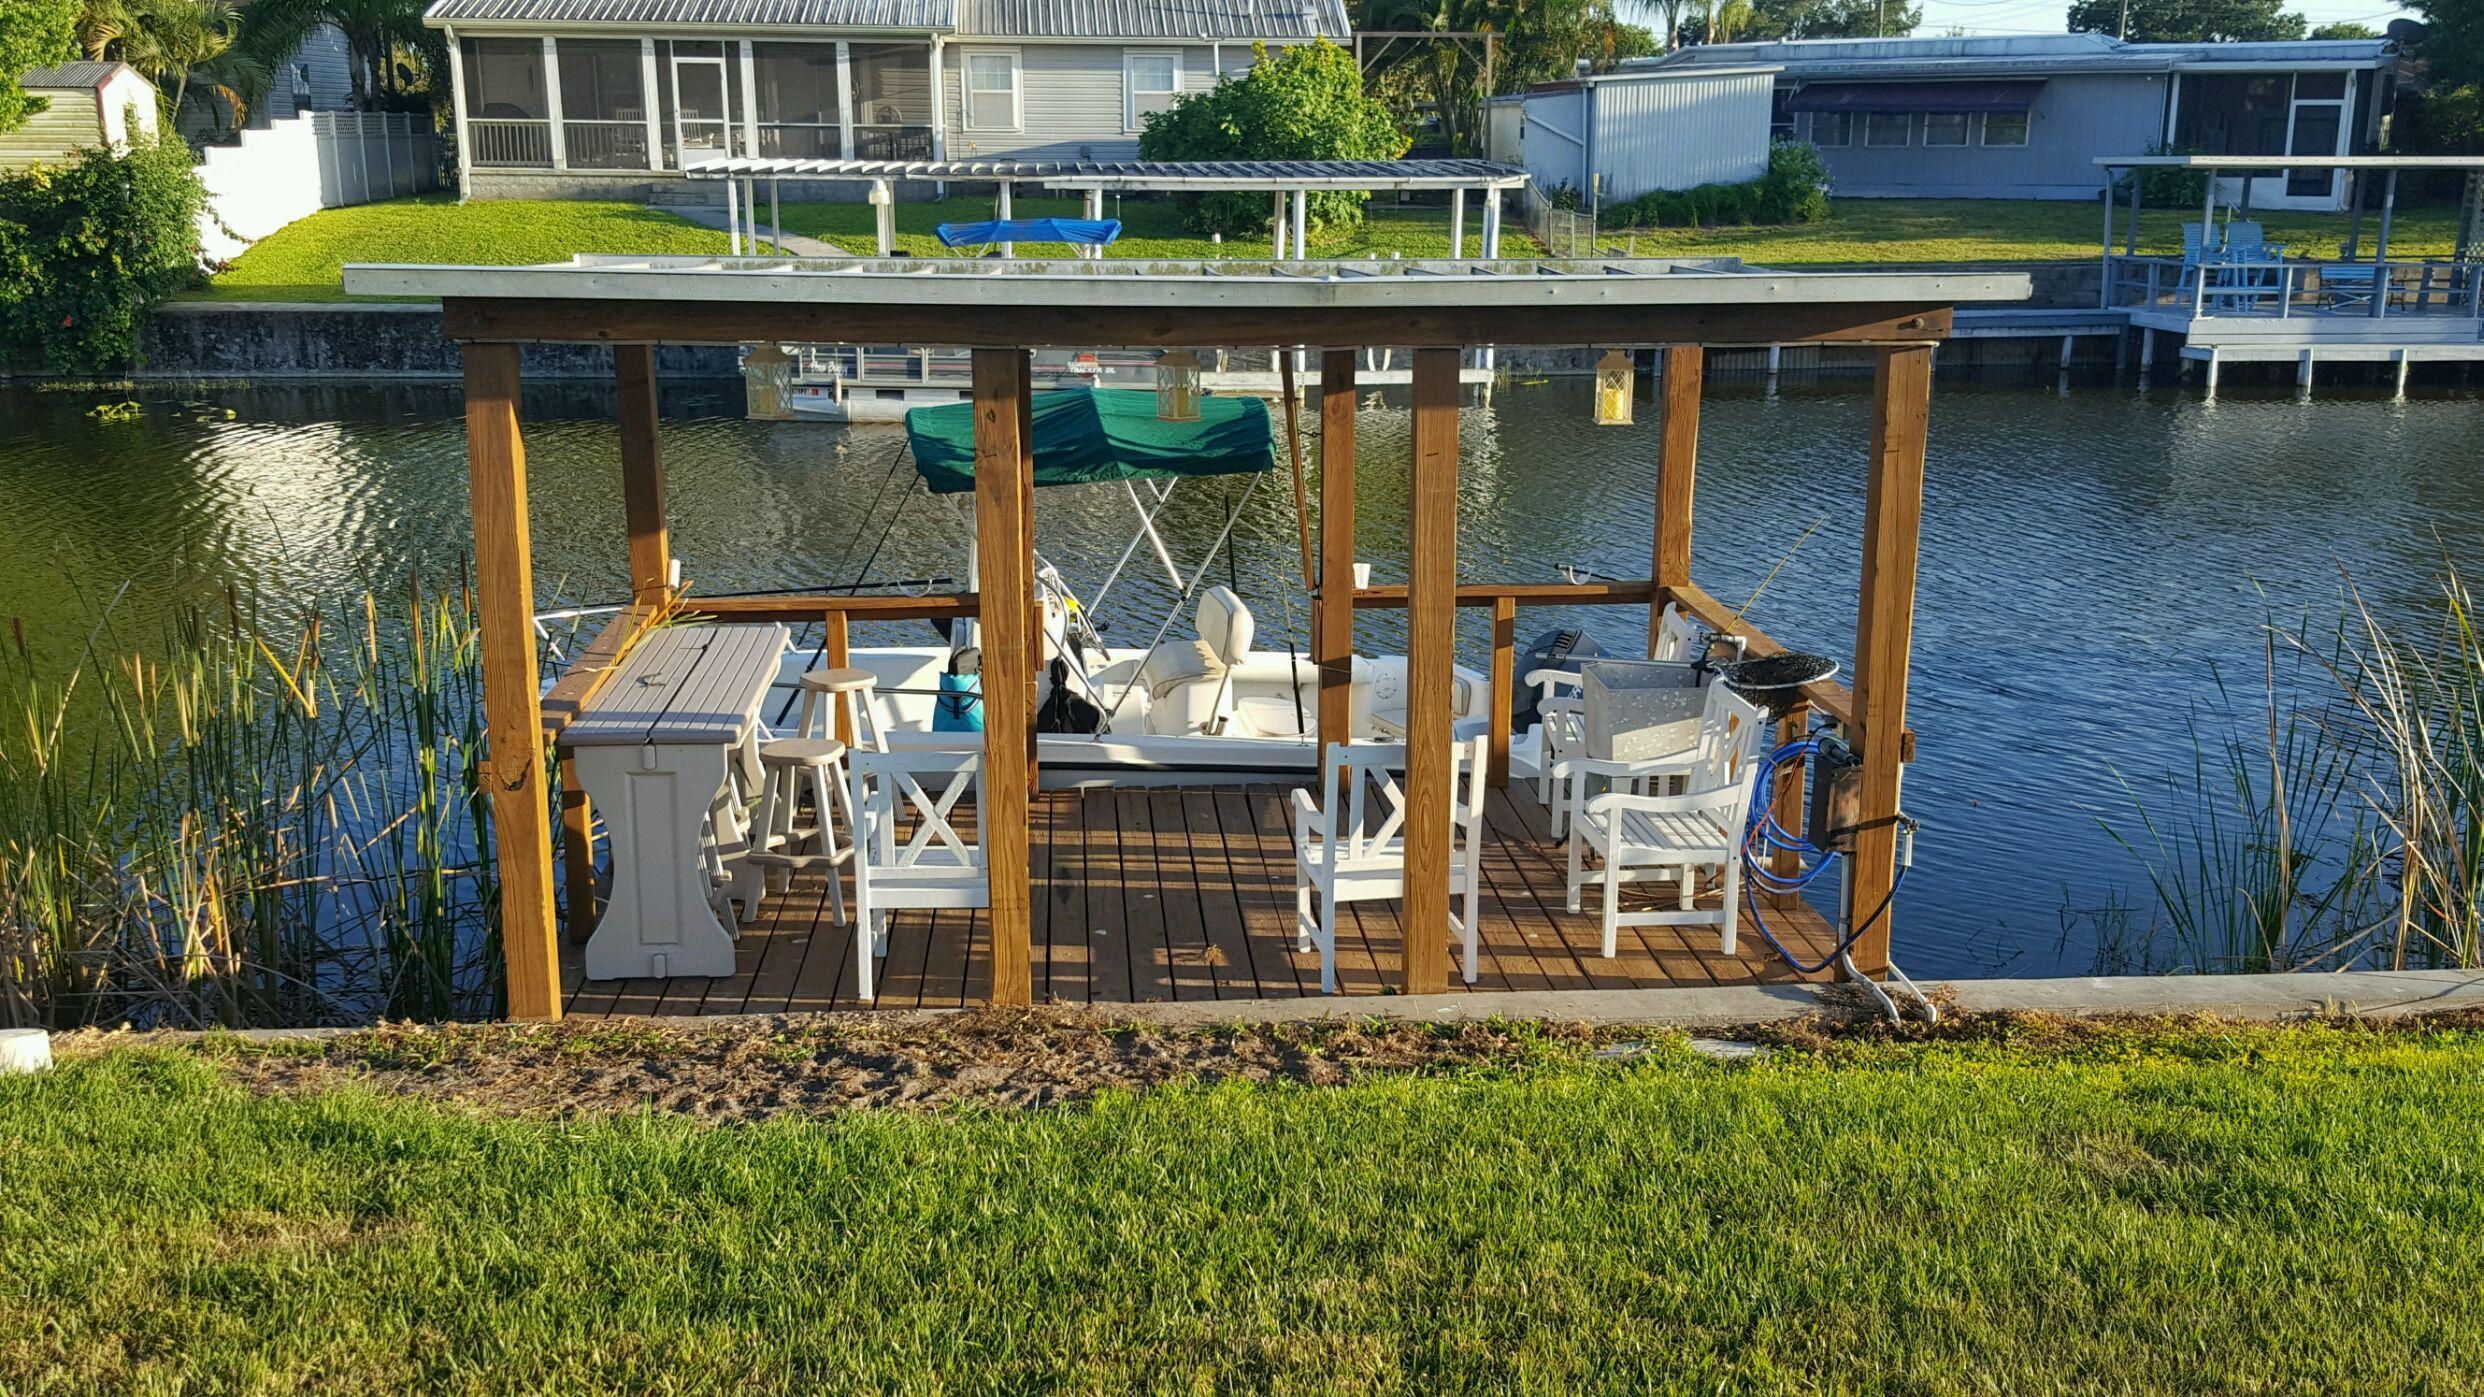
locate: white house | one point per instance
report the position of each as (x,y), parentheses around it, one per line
(609,98)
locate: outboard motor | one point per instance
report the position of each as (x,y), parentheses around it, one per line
(1564,650)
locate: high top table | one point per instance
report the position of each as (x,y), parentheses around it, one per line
(653,748)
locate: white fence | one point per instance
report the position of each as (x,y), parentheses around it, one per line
(319,160)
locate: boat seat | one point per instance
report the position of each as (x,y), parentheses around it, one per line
(1188,685)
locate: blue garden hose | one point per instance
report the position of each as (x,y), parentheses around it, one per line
(1764,836)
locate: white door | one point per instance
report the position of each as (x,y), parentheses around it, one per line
(702,109)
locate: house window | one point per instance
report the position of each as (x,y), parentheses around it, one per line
(1944,128)
(1888,128)
(1832,128)
(2005,128)
(992,91)
(1148,82)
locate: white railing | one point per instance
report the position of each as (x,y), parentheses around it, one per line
(2282,288)
(605,145)
(524,142)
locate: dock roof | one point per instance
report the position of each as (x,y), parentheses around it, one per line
(1255,175)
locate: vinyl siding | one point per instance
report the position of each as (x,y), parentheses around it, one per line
(54,135)
(1071,98)
(2075,118)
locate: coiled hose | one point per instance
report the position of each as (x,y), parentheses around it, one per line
(1763,837)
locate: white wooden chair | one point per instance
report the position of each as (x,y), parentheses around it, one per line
(1643,837)
(1561,712)
(933,867)
(1350,846)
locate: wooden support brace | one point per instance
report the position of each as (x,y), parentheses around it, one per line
(513,766)
(642,473)
(1431,644)
(1677,473)
(1332,619)
(1004,481)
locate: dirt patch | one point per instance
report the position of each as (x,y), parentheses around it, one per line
(757,1068)
(752,1069)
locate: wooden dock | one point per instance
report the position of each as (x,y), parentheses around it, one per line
(1187,893)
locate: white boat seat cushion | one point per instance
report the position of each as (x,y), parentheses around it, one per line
(1188,688)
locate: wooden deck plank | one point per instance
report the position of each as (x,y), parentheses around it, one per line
(1069,935)
(1191,960)
(1220,904)
(800,975)
(1263,885)
(1109,974)
(1142,900)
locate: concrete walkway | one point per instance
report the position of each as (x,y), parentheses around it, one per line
(794,243)
(2266,998)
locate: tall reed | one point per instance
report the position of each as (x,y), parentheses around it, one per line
(252,825)
(2336,821)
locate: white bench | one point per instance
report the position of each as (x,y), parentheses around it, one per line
(653,749)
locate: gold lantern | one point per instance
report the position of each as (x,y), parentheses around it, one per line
(1616,385)
(1177,386)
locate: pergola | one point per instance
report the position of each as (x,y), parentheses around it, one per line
(2360,167)
(1293,180)
(1004,310)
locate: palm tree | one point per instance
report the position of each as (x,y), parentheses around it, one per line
(166,40)
(386,37)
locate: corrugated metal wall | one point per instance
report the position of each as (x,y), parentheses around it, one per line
(1676,132)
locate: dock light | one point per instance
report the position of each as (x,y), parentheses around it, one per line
(1177,386)
(1616,387)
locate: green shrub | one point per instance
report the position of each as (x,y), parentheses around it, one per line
(88,249)
(1306,103)
(1795,190)
(2165,186)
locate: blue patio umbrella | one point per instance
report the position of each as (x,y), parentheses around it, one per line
(1080,232)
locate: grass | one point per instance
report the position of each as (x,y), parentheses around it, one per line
(2013,230)
(1153,228)
(304,261)
(2140,1209)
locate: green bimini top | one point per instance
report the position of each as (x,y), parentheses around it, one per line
(1084,435)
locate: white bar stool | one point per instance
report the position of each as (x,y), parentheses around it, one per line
(781,842)
(851,690)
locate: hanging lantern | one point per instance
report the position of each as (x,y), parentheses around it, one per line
(1616,385)
(1177,386)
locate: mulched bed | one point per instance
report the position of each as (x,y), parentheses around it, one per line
(753,1069)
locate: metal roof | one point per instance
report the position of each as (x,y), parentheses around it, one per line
(1193,20)
(2030,55)
(1403,285)
(1266,175)
(924,15)
(2295,162)
(1155,19)
(81,74)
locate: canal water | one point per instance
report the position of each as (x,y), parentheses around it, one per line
(2092,559)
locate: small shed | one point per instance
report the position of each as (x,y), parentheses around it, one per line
(88,105)
(1638,131)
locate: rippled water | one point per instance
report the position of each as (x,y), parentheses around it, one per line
(2087,557)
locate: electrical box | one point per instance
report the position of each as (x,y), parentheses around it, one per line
(1835,806)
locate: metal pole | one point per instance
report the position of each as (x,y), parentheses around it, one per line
(2354,231)
(2380,248)
(2104,261)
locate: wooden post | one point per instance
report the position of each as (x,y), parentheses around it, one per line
(1884,630)
(577,853)
(1005,571)
(642,473)
(1504,682)
(1332,621)
(1431,644)
(1034,603)
(513,770)
(1786,802)
(836,650)
(1677,472)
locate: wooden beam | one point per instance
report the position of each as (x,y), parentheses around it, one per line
(577,854)
(1677,473)
(1185,326)
(1025,478)
(1827,695)
(1431,652)
(642,472)
(837,652)
(1332,615)
(513,763)
(1004,481)
(1884,630)
(1504,681)
(810,606)
(1390,597)
(595,664)
(1786,802)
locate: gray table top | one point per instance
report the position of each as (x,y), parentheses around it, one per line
(686,685)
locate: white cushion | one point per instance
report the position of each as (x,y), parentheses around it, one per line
(1225,625)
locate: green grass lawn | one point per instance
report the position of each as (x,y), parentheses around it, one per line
(1153,228)
(2014,230)
(2144,1209)
(304,260)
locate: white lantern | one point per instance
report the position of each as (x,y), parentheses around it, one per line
(1177,386)
(1616,382)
